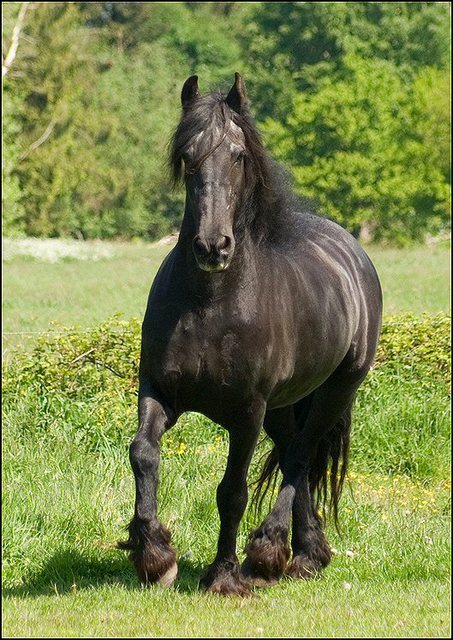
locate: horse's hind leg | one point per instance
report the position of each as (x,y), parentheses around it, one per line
(267,556)
(267,543)
(311,551)
(149,539)
(309,545)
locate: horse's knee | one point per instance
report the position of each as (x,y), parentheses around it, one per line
(232,497)
(150,552)
(143,455)
(139,451)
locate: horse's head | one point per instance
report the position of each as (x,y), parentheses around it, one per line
(213,149)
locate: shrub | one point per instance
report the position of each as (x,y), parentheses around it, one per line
(79,363)
(418,346)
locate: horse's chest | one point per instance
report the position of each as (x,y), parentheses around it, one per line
(200,352)
(204,359)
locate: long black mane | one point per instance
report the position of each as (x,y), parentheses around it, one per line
(271,207)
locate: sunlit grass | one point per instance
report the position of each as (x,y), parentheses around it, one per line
(414,279)
(66,506)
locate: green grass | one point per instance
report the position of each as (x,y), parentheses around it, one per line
(414,279)
(372,610)
(74,292)
(68,489)
(70,493)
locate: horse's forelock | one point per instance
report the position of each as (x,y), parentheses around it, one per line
(210,115)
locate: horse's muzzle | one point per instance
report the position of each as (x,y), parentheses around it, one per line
(213,254)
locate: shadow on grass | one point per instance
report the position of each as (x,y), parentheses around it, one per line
(69,571)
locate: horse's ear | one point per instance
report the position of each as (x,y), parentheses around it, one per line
(189,92)
(237,97)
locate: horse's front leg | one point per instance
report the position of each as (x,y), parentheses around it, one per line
(223,576)
(149,540)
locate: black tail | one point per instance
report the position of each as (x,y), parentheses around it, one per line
(330,461)
(267,479)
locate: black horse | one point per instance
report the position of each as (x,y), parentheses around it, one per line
(261,316)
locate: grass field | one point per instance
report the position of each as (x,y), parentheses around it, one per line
(72,291)
(68,489)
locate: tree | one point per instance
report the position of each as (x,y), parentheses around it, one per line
(13,210)
(8,59)
(288,45)
(346,93)
(358,145)
(101,85)
(352,96)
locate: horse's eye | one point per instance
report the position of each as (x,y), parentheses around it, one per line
(240,157)
(189,169)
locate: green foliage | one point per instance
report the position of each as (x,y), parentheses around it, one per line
(291,44)
(12,196)
(350,95)
(418,345)
(353,97)
(402,422)
(98,172)
(361,144)
(79,363)
(100,85)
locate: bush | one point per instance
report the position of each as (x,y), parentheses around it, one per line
(79,363)
(83,363)
(418,346)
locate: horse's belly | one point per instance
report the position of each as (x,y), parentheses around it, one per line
(307,367)
(294,390)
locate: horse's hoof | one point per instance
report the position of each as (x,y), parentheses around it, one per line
(259,581)
(239,589)
(225,579)
(169,576)
(254,578)
(304,568)
(267,554)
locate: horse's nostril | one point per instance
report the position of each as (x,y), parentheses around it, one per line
(223,243)
(212,246)
(213,253)
(200,247)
